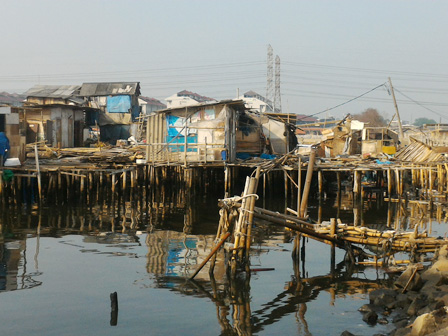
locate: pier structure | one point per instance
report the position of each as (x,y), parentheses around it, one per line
(53,182)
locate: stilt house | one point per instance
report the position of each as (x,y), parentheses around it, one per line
(213,132)
(116,108)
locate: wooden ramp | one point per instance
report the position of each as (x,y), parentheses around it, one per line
(339,234)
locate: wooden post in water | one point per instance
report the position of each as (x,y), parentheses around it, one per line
(39,183)
(254,187)
(398,183)
(321,183)
(226,181)
(306,189)
(357,186)
(389,183)
(333,229)
(114,309)
(285,179)
(242,228)
(299,184)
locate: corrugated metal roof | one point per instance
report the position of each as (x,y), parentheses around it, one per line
(52,91)
(110,89)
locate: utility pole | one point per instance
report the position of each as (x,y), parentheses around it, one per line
(400,127)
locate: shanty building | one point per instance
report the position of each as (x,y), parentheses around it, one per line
(115,108)
(213,132)
(54,114)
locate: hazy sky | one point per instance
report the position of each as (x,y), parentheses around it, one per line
(330,51)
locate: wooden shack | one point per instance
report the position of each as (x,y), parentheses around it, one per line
(377,140)
(114,107)
(213,132)
(54,114)
(345,138)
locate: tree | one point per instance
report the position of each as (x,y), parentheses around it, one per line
(422,121)
(372,117)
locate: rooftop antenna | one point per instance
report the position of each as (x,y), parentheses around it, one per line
(270,77)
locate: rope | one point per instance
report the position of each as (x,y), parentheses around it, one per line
(239,198)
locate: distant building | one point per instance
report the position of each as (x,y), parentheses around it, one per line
(187,98)
(150,105)
(11,99)
(305,119)
(256,102)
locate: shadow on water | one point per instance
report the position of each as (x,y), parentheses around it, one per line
(174,231)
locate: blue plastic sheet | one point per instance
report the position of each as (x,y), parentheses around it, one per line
(119,104)
(177,144)
(175,125)
(383,162)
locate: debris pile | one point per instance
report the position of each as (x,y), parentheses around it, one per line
(418,305)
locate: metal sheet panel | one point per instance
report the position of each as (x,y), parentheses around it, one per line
(52,91)
(110,89)
(5,110)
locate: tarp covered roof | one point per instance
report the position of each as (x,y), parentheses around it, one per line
(52,91)
(110,89)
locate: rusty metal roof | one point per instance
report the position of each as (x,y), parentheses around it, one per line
(52,91)
(110,89)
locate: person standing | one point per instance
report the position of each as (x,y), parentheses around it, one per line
(4,148)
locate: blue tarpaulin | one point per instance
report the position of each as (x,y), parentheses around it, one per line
(176,135)
(118,104)
(180,140)
(175,125)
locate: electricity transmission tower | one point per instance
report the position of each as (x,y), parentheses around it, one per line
(270,77)
(277,95)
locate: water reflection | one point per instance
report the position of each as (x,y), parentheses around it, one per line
(13,266)
(169,242)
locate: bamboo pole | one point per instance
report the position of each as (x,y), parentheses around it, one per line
(251,214)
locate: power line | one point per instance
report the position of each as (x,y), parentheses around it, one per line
(406,73)
(419,104)
(134,72)
(348,101)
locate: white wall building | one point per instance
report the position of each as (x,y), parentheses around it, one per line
(187,98)
(256,102)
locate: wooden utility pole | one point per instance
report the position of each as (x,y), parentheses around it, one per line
(396,109)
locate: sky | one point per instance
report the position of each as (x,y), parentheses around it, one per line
(336,56)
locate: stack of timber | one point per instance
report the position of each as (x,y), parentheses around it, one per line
(386,241)
(340,234)
(96,155)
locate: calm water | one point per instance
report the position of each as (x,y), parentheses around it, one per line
(59,266)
